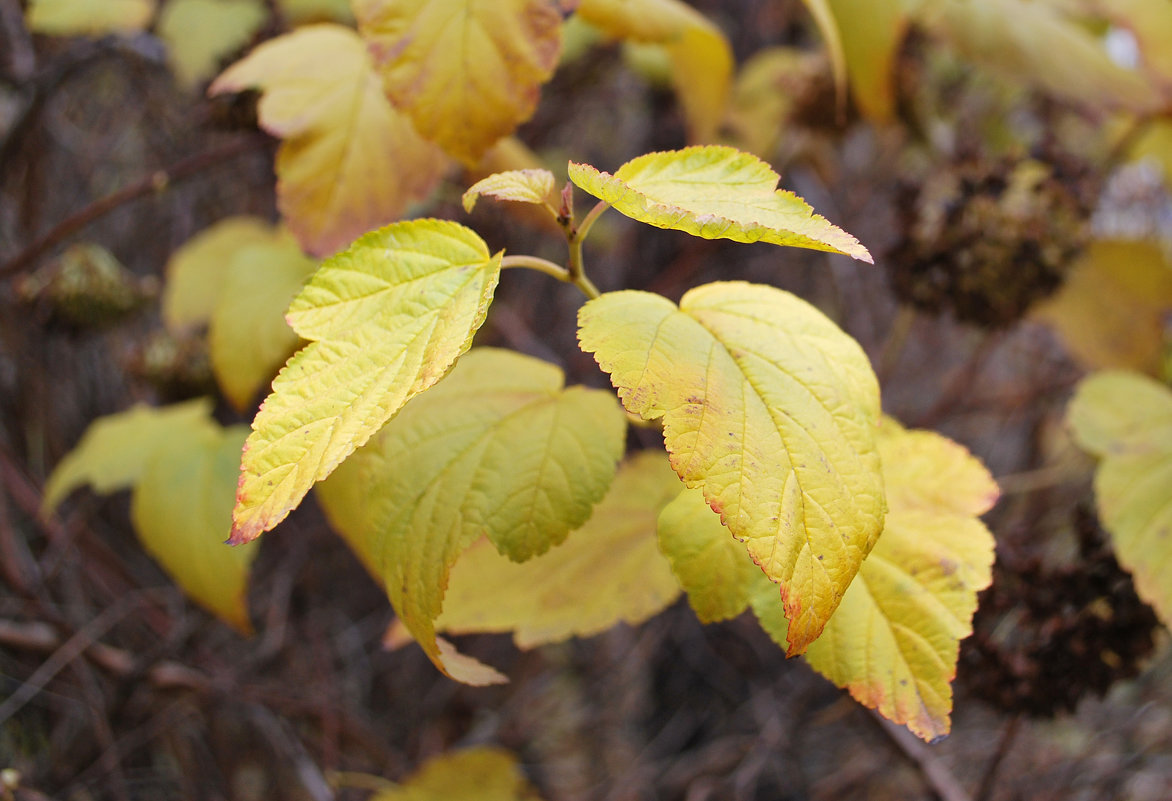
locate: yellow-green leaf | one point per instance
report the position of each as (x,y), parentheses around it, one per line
(387,318)
(300,12)
(521,186)
(1150,21)
(500,449)
(894,641)
(871,32)
(114,450)
(248,336)
(828,26)
(239,276)
(1113,309)
(88,18)
(1035,42)
(467,72)
(1126,420)
(715,192)
(182,511)
(710,564)
(199,33)
(700,55)
(476,774)
(607,571)
(182,467)
(349,161)
(771,409)
(197,270)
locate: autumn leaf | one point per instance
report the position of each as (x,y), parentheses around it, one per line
(607,571)
(499,448)
(893,643)
(715,192)
(114,450)
(827,24)
(239,277)
(700,55)
(475,774)
(181,466)
(772,410)
(1126,420)
(871,33)
(519,186)
(301,12)
(199,33)
(1112,309)
(387,318)
(1038,43)
(467,72)
(87,18)
(1150,22)
(710,564)
(349,161)
(182,510)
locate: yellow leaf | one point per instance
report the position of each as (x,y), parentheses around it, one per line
(715,192)
(1150,21)
(349,162)
(709,563)
(239,276)
(387,318)
(1155,143)
(300,12)
(248,336)
(1126,420)
(1035,42)
(197,270)
(476,774)
(828,26)
(182,511)
(88,18)
(763,95)
(199,33)
(894,641)
(498,448)
(701,58)
(521,186)
(467,72)
(771,409)
(871,31)
(182,467)
(608,570)
(114,450)
(1113,308)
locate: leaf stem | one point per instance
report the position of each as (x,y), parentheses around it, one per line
(590,218)
(537,263)
(574,266)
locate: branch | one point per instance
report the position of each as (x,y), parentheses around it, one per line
(156,182)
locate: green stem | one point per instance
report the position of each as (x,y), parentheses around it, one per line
(574,267)
(590,218)
(537,263)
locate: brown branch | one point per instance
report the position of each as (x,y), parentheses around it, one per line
(154,183)
(936,774)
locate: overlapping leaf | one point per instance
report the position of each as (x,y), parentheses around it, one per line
(387,318)
(772,410)
(1113,308)
(349,161)
(182,467)
(701,58)
(86,17)
(607,571)
(467,72)
(199,33)
(894,640)
(475,774)
(1126,420)
(715,192)
(519,186)
(239,277)
(498,449)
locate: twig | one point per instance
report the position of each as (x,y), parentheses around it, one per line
(936,774)
(153,183)
(1007,738)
